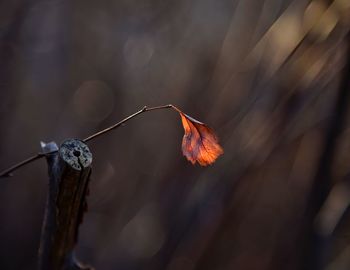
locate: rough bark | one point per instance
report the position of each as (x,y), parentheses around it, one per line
(69,172)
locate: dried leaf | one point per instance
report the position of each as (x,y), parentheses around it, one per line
(199,144)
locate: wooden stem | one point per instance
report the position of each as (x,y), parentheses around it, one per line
(69,172)
(8,172)
(120,123)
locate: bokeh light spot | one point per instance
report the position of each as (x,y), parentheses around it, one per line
(93,101)
(138,51)
(143,236)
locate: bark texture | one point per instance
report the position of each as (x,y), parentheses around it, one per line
(69,173)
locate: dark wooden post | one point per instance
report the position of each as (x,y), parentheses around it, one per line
(69,173)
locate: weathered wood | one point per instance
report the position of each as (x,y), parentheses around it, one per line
(69,173)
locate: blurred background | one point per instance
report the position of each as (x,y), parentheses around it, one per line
(267,75)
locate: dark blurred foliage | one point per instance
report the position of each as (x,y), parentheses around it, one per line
(264,74)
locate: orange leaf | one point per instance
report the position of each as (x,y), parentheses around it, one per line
(199,144)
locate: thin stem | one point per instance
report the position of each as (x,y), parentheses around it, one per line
(8,171)
(144,109)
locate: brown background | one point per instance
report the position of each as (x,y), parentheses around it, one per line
(264,74)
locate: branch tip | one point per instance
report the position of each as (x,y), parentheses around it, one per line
(8,172)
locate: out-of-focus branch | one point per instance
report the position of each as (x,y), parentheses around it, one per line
(315,258)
